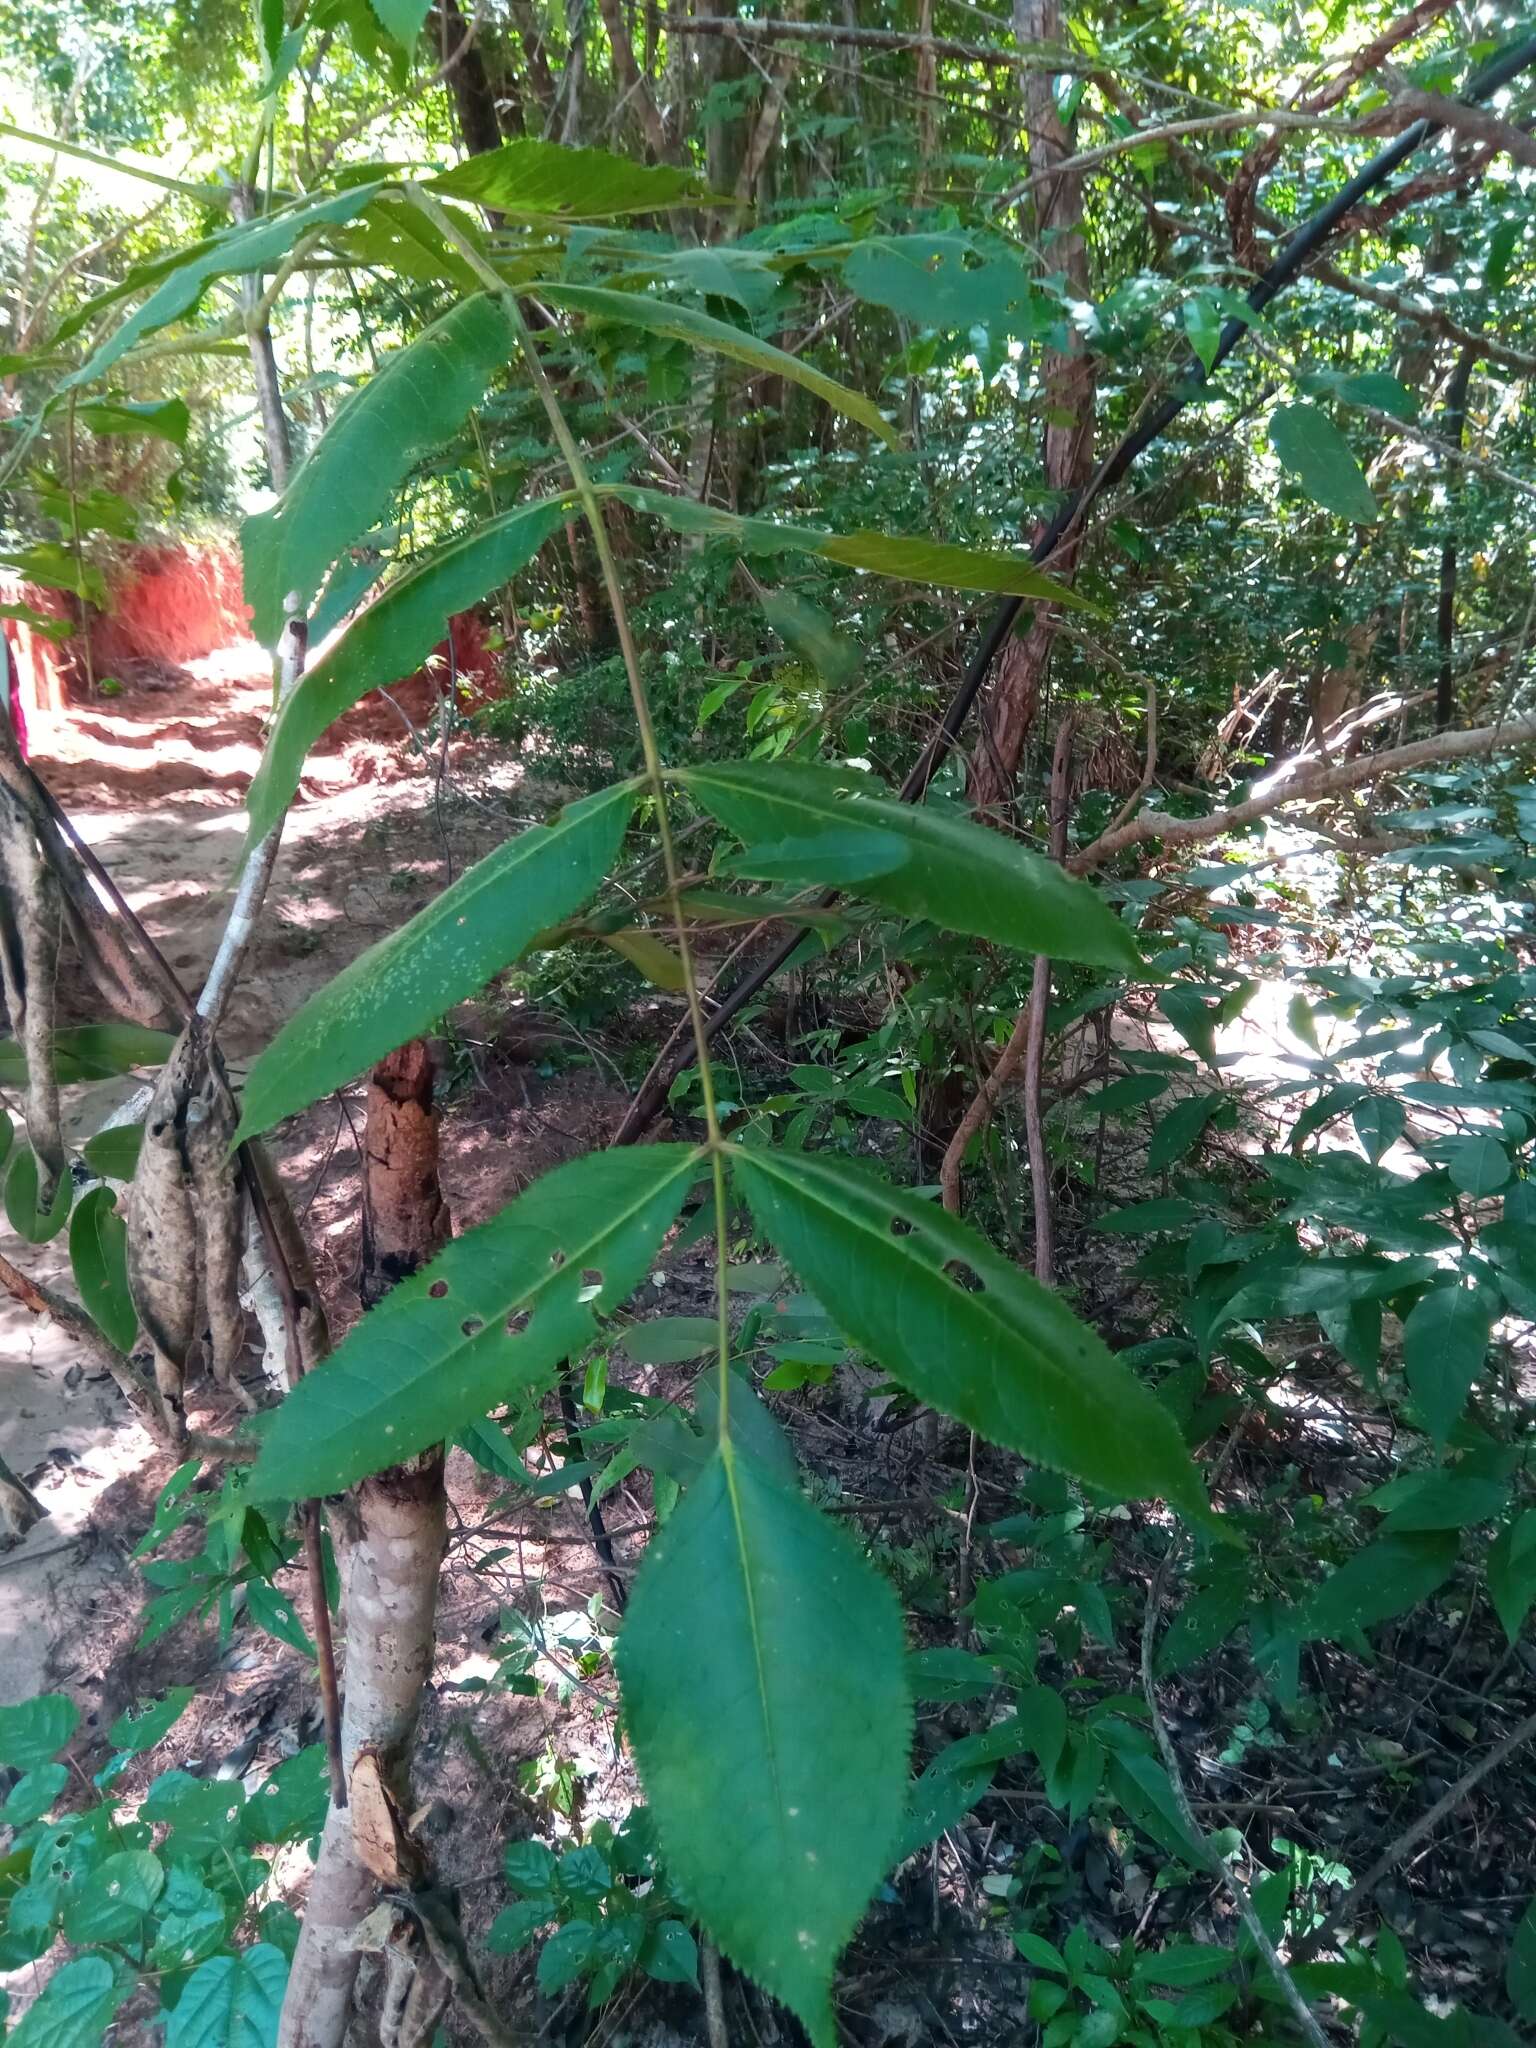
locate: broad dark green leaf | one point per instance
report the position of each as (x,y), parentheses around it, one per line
(1512,1572)
(22,1189)
(1445,1341)
(1311,447)
(1380,1580)
(391,638)
(777,1773)
(1379,1122)
(33,1793)
(75,2007)
(111,1904)
(670,1340)
(1180,1130)
(404,984)
(414,402)
(1478,1164)
(963,1328)
(182,278)
(910,560)
(678,322)
(141,1731)
(1193,1018)
(165,419)
(1451,1498)
(402,21)
(90,1052)
(939,1798)
(546,180)
(98,1256)
(439,1351)
(1520,1970)
(956,872)
(35,1730)
(231,2001)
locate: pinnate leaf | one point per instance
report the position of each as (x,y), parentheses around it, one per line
(438,1352)
(540,180)
(391,638)
(404,984)
(963,1328)
(777,1775)
(411,404)
(956,872)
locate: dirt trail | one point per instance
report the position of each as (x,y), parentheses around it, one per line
(153,780)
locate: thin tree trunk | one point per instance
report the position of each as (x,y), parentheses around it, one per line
(634,88)
(1454,430)
(390,1604)
(1069,380)
(389,1600)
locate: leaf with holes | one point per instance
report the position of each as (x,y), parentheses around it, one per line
(413,402)
(438,1352)
(677,322)
(963,1328)
(403,985)
(98,1257)
(112,1903)
(794,1722)
(1317,455)
(1445,1341)
(956,872)
(141,1731)
(547,180)
(393,636)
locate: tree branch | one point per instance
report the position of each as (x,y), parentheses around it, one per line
(1447,746)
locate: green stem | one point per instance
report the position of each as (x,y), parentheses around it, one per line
(655,772)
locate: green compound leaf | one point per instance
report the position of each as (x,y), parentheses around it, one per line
(958,873)
(438,1352)
(963,1328)
(390,639)
(403,985)
(414,401)
(546,180)
(776,1773)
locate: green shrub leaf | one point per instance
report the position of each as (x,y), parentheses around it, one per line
(546,180)
(777,1775)
(98,1256)
(682,323)
(1445,1341)
(34,1731)
(404,984)
(231,2001)
(75,2007)
(393,636)
(437,1352)
(956,872)
(963,1328)
(1380,1580)
(1317,455)
(413,403)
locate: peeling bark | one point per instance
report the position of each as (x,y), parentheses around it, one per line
(390,1604)
(405,1220)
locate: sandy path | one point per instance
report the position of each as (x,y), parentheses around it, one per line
(154,782)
